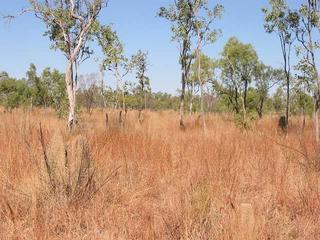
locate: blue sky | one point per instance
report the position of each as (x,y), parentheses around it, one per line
(22,41)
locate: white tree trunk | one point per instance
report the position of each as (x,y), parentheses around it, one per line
(191,99)
(182,113)
(71,95)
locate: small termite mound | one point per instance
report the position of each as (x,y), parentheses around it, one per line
(68,168)
(283,124)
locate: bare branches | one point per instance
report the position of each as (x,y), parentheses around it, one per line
(10,18)
(73,14)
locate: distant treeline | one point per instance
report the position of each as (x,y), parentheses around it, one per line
(48,90)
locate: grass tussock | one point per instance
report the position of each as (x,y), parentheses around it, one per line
(150,180)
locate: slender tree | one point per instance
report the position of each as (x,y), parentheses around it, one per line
(34,83)
(192,86)
(305,23)
(204,19)
(182,16)
(140,61)
(278,20)
(206,72)
(114,59)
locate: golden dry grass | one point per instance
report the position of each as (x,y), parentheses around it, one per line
(154,181)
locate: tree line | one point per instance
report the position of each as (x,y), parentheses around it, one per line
(236,81)
(47,90)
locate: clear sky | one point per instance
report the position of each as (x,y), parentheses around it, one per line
(22,41)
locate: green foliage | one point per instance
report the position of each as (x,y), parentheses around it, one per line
(244,123)
(240,59)
(301,102)
(206,70)
(111,47)
(238,64)
(13,93)
(205,16)
(222,105)
(140,61)
(279,100)
(265,78)
(181,14)
(69,27)
(115,61)
(56,93)
(164,101)
(279,19)
(47,90)
(305,23)
(37,87)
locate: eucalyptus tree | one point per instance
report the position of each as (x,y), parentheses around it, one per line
(140,61)
(206,73)
(193,86)
(204,19)
(266,78)
(238,65)
(70,25)
(35,85)
(305,23)
(302,102)
(114,59)
(182,16)
(278,20)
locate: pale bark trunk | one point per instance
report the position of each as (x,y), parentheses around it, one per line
(182,100)
(120,87)
(244,111)
(71,95)
(182,113)
(117,94)
(191,99)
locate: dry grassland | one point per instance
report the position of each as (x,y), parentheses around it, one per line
(151,180)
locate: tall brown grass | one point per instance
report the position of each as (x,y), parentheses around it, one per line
(150,180)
